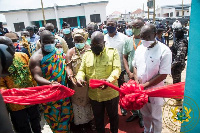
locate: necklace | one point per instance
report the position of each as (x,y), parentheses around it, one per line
(137,44)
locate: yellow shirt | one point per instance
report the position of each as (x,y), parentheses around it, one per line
(104,66)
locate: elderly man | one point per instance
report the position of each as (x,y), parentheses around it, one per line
(58,39)
(101,63)
(48,67)
(25,119)
(152,64)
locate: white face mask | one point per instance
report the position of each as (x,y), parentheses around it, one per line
(147,43)
(60,49)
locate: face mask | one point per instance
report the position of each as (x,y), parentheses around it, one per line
(49,47)
(28,39)
(53,33)
(66,31)
(60,49)
(17,41)
(79,45)
(111,29)
(147,43)
(105,31)
(97,49)
(61,35)
(129,32)
(136,32)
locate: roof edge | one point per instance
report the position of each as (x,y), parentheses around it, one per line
(53,7)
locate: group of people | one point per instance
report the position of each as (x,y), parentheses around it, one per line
(72,58)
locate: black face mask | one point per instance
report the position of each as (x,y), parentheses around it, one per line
(90,33)
(97,49)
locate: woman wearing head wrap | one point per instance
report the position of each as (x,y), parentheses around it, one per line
(80,100)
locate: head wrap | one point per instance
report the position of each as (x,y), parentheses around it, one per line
(81,33)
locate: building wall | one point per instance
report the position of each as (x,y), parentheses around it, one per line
(16,17)
(63,12)
(94,9)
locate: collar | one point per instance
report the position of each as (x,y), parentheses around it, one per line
(152,45)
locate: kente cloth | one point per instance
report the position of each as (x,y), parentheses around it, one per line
(58,114)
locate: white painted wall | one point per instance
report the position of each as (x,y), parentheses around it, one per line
(16,17)
(95,9)
(63,12)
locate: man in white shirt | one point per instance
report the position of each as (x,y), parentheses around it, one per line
(116,40)
(152,64)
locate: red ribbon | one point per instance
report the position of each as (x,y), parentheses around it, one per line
(36,95)
(134,97)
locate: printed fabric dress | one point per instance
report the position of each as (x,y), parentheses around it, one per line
(20,77)
(58,114)
(81,107)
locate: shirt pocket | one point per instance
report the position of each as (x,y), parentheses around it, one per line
(107,66)
(89,67)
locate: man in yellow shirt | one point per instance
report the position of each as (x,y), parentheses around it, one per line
(101,63)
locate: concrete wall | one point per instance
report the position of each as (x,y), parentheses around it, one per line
(63,12)
(16,17)
(94,9)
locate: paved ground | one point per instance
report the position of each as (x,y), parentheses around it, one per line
(124,127)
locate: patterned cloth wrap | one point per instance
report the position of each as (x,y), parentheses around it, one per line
(58,114)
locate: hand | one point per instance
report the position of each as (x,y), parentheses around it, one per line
(73,80)
(55,83)
(131,75)
(81,83)
(103,87)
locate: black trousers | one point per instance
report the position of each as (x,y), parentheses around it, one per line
(167,40)
(111,107)
(26,120)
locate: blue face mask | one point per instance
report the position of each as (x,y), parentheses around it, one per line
(66,31)
(53,33)
(60,49)
(28,39)
(49,47)
(79,45)
(129,32)
(105,31)
(111,29)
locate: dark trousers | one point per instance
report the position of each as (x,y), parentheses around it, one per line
(111,107)
(167,40)
(21,119)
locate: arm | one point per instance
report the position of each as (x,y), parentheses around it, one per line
(64,44)
(156,80)
(69,66)
(36,71)
(116,68)
(81,73)
(165,69)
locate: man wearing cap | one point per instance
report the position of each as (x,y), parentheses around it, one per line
(67,35)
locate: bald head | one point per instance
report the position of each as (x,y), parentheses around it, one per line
(97,42)
(97,37)
(148,32)
(46,37)
(7,41)
(49,27)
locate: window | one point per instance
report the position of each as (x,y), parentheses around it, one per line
(95,18)
(171,14)
(177,14)
(83,21)
(19,26)
(72,21)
